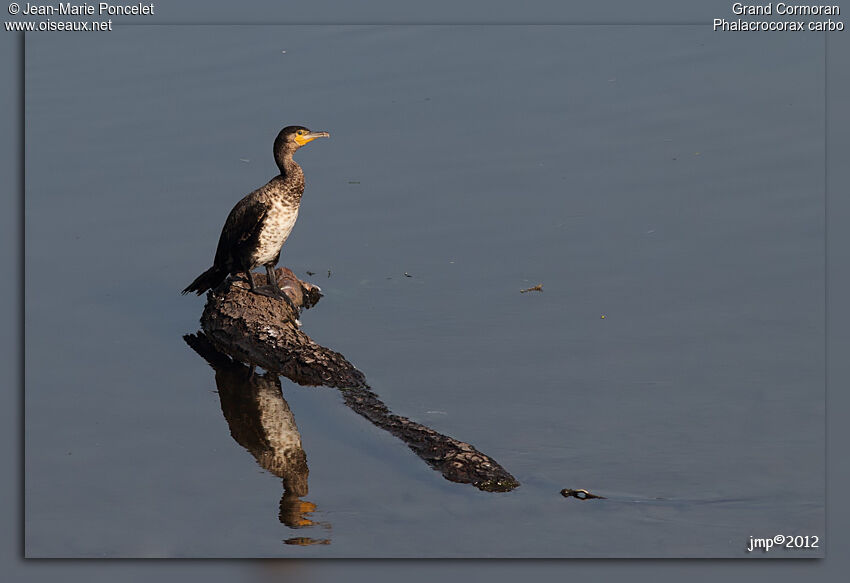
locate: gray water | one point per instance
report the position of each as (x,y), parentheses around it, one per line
(666,178)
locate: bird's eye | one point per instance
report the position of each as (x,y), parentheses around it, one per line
(300,132)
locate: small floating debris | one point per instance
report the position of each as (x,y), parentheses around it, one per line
(308,272)
(354,182)
(537,288)
(304,541)
(602,317)
(245,160)
(407,274)
(581,494)
(283,52)
(329,272)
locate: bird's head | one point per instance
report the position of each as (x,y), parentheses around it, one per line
(290,139)
(293,137)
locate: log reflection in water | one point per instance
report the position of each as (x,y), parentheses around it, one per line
(261,421)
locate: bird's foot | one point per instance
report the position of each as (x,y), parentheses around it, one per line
(272,291)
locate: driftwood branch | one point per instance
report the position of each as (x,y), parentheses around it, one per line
(456,460)
(262,331)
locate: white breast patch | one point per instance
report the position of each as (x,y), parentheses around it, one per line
(276,228)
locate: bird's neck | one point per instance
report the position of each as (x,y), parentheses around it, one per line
(288,167)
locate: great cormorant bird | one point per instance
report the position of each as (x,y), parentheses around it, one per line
(259,224)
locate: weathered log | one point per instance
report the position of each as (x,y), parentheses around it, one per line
(264,331)
(261,330)
(456,460)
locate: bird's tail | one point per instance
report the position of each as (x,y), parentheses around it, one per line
(210,279)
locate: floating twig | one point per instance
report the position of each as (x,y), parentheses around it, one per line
(537,288)
(303,541)
(581,494)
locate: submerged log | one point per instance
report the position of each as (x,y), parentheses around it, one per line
(264,331)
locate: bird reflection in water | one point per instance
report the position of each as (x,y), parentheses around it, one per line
(261,421)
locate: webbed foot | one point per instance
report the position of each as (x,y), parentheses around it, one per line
(272,291)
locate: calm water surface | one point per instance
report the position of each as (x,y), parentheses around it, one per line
(666,178)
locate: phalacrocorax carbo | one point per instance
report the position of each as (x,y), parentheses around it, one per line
(257,227)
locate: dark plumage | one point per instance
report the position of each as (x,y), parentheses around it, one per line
(259,224)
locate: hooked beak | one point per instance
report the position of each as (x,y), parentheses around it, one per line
(310,136)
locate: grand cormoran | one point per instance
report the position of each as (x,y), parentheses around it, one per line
(257,227)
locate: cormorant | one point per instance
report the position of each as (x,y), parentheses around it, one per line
(257,227)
